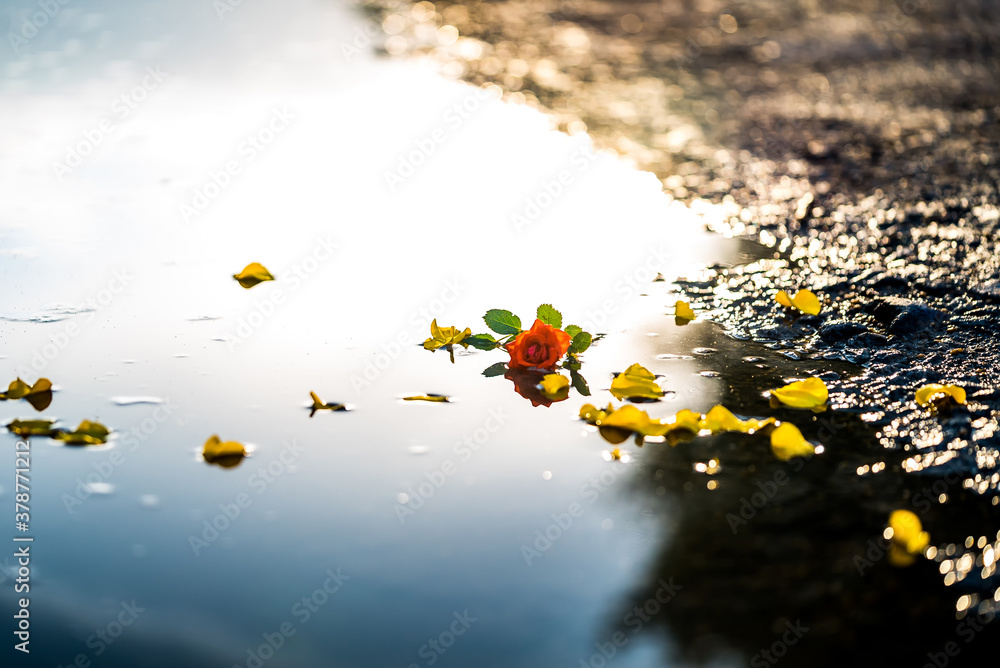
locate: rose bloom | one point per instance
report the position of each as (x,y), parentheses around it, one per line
(540,347)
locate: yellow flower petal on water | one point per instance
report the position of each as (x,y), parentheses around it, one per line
(787,442)
(592,414)
(554,386)
(31,427)
(928,394)
(808,393)
(253,274)
(216,449)
(630,418)
(720,419)
(688,420)
(88,433)
(445,336)
(804,300)
(636,382)
(907,532)
(683,311)
(437,398)
(17,389)
(319,405)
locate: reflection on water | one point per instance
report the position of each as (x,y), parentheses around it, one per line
(154,151)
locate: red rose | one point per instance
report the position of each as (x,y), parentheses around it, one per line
(540,347)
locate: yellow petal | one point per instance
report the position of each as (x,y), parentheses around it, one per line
(928,394)
(253,274)
(804,300)
(88,433)
(636,382)
(907,532)
(808,393)
(683,310)
(554,386)
(216,449)
(17,389)
(31,427)
(443,336)
(630,418)
(787,442)
(592,415)
(720,419)
(688,420)
(438,398)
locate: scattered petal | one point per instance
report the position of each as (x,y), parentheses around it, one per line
(686,420)
(319,405)
(223,453)
(438,398)
(720,419)
(804,300)
(787,442)
(446,336)
(929,394)
(88,433)
(808,393)
(253,274)
(636,382)
(554,386)
(907,532)
(31,427)
(38,395)
(683,311)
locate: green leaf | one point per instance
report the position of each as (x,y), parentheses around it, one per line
(580,342)
(579,383)
(481,341)
(550,316)
(502,322)
(573,330)
(497,369)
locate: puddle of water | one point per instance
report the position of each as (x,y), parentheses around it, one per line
(381,195)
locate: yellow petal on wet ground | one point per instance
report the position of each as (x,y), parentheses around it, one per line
(87,433)
(31,427)
(808,393)
(554,386)
(444,336)
(787,442)
(804,300)
(253,274)
(928,394)
(636,382)
(436,398)
(683,311)
(215,449)
(908,532)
